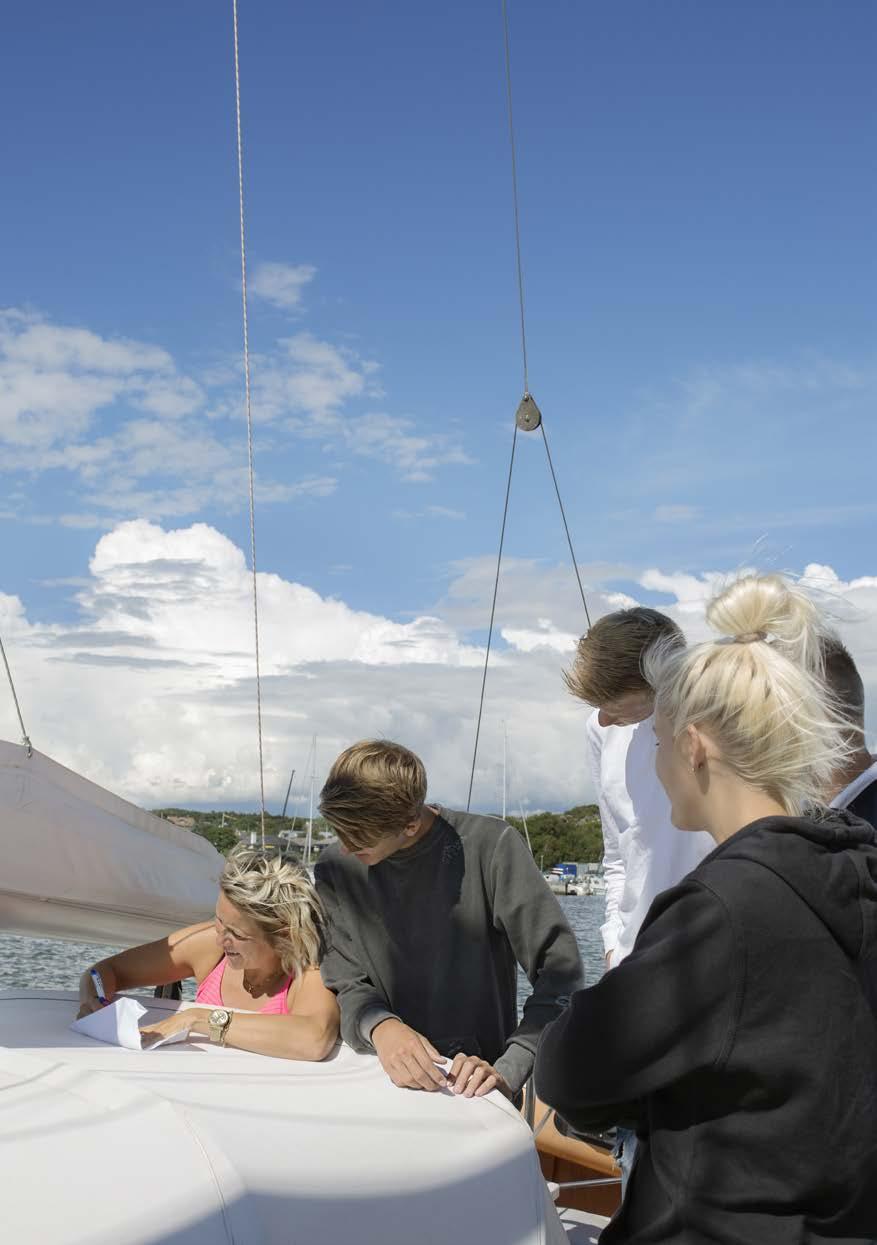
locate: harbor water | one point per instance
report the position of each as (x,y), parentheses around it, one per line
(38,963)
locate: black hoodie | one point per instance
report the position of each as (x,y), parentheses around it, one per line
(740,1035)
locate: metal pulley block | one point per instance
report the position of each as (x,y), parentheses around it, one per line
(528,417)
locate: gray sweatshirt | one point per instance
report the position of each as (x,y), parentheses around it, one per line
(432,935)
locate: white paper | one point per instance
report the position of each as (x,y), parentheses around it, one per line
(119,1024)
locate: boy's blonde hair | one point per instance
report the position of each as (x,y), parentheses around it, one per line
(758,691)
(375,790)
(609,658)
(279,897)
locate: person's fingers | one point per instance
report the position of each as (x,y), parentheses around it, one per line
(425,1062)
(487,1085)
(398,1071)
(416,1076)
(454,1070)
(464,1072)
(429,1048)
(475,1080)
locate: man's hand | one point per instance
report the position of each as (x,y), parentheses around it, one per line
(407,1057)
(473,1077)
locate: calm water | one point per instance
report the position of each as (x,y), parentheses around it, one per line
(43,963)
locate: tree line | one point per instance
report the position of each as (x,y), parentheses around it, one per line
(573,835)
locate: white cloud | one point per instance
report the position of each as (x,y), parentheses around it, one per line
(544,636)
(310,378)
(55,379)
(151,690)
(134,436)
(691,591)
(281,284)
(445,512)
(394,440)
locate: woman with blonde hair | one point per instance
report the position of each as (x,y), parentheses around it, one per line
(256,965)
(739,1037)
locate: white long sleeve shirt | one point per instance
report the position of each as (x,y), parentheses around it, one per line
(643,852)
(856,787)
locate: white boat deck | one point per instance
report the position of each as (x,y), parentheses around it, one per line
(199,1145)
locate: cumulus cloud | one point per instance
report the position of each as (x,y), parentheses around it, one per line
(151,691)
(691,592)
(150,688)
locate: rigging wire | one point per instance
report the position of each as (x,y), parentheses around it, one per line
(25,738)
(508,489)
(508,82)
(528,417)
(237,96)
(575,565)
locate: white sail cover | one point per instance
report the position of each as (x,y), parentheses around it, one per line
(203,1145)
(81,863)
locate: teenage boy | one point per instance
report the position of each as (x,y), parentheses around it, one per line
(430,913)
(855,786)
(643,853)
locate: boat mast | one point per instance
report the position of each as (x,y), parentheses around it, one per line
(288,789)
(526,831)
(505,748)
(310,834)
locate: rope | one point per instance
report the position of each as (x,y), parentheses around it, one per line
(237,96)
(508,489)
(25,739)
(508,80)
(521,306)
(575,565)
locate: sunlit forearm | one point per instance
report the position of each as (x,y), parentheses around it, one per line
(310,1037)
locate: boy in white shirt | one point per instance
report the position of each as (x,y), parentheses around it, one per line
(643,853)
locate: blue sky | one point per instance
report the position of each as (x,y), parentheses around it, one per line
(698,196)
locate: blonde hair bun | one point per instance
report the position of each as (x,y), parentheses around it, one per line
(758,691)
(771,608)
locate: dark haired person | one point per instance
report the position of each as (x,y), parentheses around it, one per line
(854,787)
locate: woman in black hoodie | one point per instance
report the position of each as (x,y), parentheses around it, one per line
(740,1035)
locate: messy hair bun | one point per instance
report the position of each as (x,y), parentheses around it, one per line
(281,899)
(758,691)
(772,608)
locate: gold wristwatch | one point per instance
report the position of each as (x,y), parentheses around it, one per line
(217,1025)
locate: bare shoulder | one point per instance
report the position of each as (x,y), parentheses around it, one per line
(196,947)
(307,993)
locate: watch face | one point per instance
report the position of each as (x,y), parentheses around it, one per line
(219,1016)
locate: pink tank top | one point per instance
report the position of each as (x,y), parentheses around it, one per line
(210,992)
